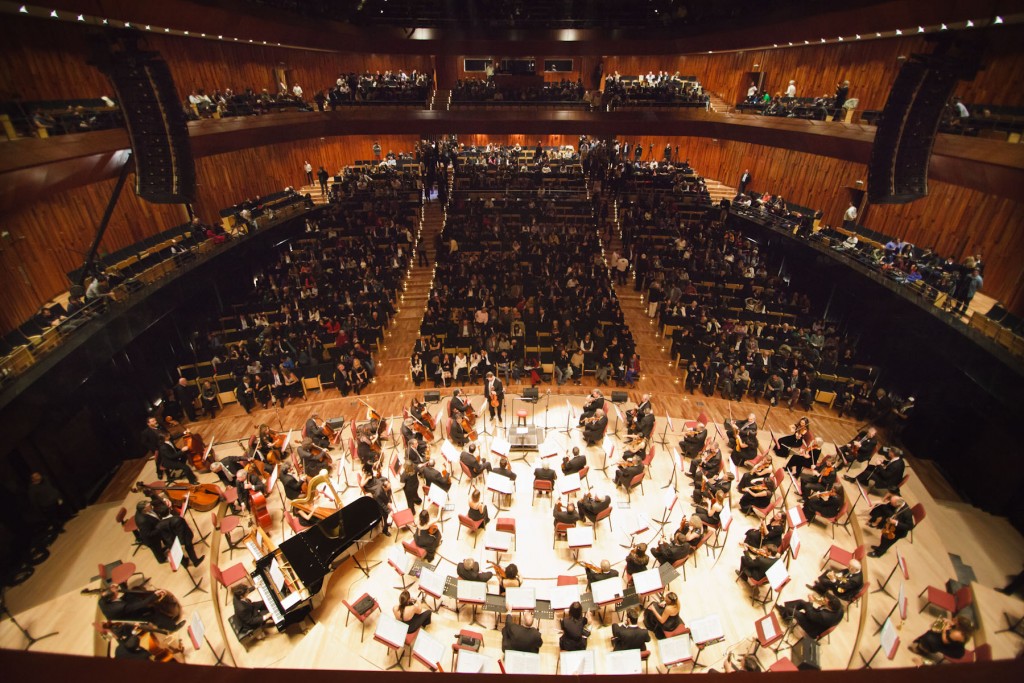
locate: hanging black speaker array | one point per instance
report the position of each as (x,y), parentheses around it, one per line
(164,169)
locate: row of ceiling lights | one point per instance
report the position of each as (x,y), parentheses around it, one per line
(24,9)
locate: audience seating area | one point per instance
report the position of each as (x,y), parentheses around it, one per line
(322,302)
(58,117)
(520,283)
(661,90)
(565,94)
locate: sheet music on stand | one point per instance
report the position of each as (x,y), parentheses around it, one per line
(520,598)
(399,559)
(175,554)
(470,662)
(648,581)
(428,649)
(517,662)
(707,629)
(623,662)
(432,582)
(777,575)
(276,574)
(437,495)
(471,591)
(272,480)
(577,663)
(794,545)
(500,446)
(606,591)
(196,630)
(449,451)
(500,483)
(676,650)
(767,626)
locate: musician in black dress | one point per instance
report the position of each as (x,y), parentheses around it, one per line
(770,532)
(826,503)
(428,537)
(413,613)
(805,457)
(662,618)
(754,565)
(574,629)
(494,394)
(801,436)
(410,479)
(820,477)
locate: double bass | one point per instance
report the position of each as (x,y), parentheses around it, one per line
(200,454)
(201,497)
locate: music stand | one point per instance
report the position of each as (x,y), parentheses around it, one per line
(174,557)
(366,565)
(197,634)
(32,640)
(569,414)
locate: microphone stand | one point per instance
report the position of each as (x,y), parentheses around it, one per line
(547,411)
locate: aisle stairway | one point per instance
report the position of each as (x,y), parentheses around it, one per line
(719,191)
(393,359)
(440,100)
(718,105)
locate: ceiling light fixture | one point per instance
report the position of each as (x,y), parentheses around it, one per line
(81,17)
(999,20)
(105,22)
(857,36)
(840,39)
(127,25)
(920,29)
(167,30)
(899,32)
(943,28)
(186,33)
(53,13)
(878,35)
(23,9)
(970,24)
(148,28)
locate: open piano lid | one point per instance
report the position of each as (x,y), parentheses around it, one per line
(312,551)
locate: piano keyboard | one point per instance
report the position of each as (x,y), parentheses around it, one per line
(268,599)
(254,549)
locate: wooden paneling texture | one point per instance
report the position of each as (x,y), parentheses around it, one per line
(481,140)
(49,238)
(954,220)
(48,60)
(226,179)
(869,65)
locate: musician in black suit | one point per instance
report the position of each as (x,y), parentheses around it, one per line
(593,404)
(606,573)
(152,436)
(710,462)
(885,475)
(693,442)
(590,506)
(494,388)
(521,637)
(159,533)
(574,464)
(136,605)
(457,404)
(813,616)
(246,395)
(292,485)
(633,416)
(251,615)
(574,629)
(469,459)
(457,434)
(173,461)
(567,515)
(892,511)
(315,433)
(754,565)
(416,453)
(645,423)
(593,431)
(431,475)
(627,470)
(747,432)
(843,583)
(629,636)
(826,503)
(469,570)
(504,469)
(862,446)
(544,472)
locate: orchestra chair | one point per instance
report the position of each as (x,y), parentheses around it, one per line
(856,598)
(226,525)
(128,525)
(948,602)
(982,653)
(839,556)
(755,593)
(717,544)
(468,473)
(473,526)
(561,530)
(230,496)
(784,546)
(120,573)
(778,480)
(649,458)
(918,513)
(293,522)
(584,476)
(681,564)
(508,525)
(542,486)
(752,463)
(413,549)
(769,509)
(361,608)
(638,480)
(677,631)
(603,515)
(783,664)
(403,519)
(470,641)
(228,577)
(842,519)
(645,656)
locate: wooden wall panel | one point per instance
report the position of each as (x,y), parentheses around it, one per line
(481,140)
(49,238)
(226,179)
(869,65)
(954,220)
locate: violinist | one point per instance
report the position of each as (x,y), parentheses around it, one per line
(314,432)
(428,537)
(469,570)
(567,515)
(158,606)
(884,471)
(431,475)
(634,448)
(473,462)
(421,415)
(414,614)
(757,473)
(742,439)
(800,437)
(710,512)
(629,468)
(594,428)
(633,416)
(595,402)
(673,550)
(754,563)
(604,571)
(757,494)
(693,440)
(365,450)
(312,458)
(494,394)
(820,477)
(416,453)
(574,464)
(458,433)
(174,461)
(826,503)
(862,446)
(843,583)
(805,456)
(770,532)
(130,646)
(894,518)
(508,577)
(710,461)
(711,486)
(636,561)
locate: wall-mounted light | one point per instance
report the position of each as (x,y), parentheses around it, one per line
(53,13)
(899,32)
(23,9)
(970,24)
(998,20)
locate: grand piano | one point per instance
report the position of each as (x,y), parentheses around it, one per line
(291,575)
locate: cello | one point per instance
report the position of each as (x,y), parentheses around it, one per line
(198,451)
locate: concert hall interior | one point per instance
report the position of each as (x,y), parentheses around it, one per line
(511,336)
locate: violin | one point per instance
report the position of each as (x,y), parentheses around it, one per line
(889,530)
(494,399)
(497,570)
(763,552)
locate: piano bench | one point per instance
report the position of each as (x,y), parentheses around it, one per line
(245,635)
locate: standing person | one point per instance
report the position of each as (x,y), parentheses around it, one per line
(322,175)
(494,394)
(791,89)
(308,168)
(744,181)
(376,150)
(968,286)
(186,397)
(850,218)
(842,91)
